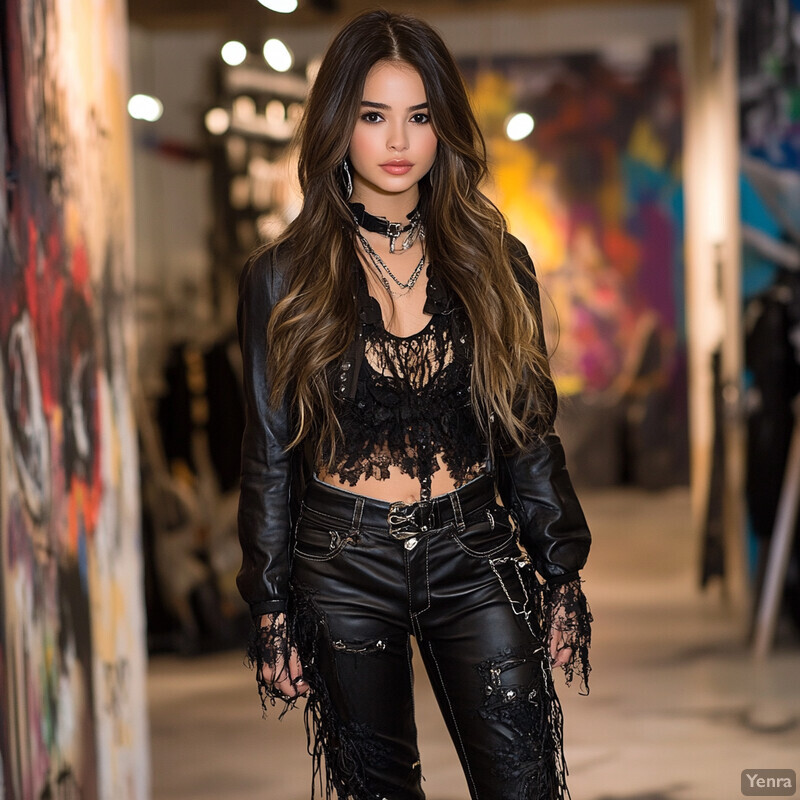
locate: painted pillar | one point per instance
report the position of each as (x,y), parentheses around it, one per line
(713,268)
(72,648)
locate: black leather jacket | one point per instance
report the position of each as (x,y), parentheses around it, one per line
(533,482)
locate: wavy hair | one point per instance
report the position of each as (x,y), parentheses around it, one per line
(313,325)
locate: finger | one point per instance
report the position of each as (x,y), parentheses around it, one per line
(556,637)
(287,688)
(295,667)
(301,687)
(280,679)
(288,682)
(274,673)
(562,657)
(271,674)
(296,674)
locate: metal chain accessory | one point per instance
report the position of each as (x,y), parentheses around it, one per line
(392,230)
(381,267)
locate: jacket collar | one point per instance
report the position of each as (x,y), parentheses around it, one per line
(439,300)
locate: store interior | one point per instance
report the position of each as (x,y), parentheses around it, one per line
(647,155)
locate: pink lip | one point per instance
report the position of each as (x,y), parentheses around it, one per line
(397,167)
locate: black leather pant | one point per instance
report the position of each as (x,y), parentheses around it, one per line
(366,575)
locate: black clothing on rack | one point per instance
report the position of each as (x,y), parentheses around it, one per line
(222,419)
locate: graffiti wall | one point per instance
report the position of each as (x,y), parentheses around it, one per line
(769,95)
(595,193)
(769,70)
(72,702)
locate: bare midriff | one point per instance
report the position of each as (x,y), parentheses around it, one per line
(398,487)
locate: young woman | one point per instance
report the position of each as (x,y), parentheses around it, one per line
(400,473)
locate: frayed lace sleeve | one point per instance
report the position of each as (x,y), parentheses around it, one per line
(269,649)
(565,608)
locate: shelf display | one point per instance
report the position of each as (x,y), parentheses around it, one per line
(250,128)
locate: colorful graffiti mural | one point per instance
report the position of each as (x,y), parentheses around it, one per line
(769,85)
(595,192)
(769,99)
(72,702)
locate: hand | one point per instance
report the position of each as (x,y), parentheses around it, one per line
(289,680)
(562,624)
(568,619)
(560,653)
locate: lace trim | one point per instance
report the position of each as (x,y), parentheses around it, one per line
(531,761)
(412,407)
(545,607)
(338,749)
(410,361)
(268,652)
(566,609)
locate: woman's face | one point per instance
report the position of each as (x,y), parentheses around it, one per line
(393,144)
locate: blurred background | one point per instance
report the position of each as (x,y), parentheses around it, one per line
(647,153)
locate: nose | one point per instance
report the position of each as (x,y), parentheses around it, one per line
(398,138)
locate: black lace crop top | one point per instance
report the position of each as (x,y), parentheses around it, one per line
(412,398)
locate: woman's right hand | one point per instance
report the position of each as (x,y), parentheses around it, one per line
(282,670)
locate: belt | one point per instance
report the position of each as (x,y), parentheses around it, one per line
(403,520)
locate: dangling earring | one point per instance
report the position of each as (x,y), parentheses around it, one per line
(347,179)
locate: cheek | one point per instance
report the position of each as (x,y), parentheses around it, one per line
(360,144)
(429,145)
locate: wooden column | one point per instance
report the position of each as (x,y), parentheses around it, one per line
(713,269)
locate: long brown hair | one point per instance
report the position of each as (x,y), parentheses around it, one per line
(313,325)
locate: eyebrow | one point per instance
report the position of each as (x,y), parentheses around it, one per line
(385,107)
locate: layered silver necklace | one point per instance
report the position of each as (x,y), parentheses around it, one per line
(391,230)
(382,268)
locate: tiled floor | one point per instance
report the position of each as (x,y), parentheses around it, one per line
(677,706)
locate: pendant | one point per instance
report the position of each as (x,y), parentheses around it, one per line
(394,229)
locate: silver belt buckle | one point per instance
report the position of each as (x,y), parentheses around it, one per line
(401,519)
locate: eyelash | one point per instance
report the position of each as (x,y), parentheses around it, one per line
(415,118)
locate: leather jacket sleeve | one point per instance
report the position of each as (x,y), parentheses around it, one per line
(534,483)
(266,478)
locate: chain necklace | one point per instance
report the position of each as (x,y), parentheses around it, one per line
(381,268)
(391,230)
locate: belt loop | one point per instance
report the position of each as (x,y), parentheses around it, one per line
(456,503)
(358,512)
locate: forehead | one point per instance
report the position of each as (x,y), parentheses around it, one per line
(393,77)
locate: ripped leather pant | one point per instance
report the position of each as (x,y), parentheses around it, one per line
(366,576)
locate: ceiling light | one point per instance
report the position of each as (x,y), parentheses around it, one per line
(233,53)
(278,55)
(281,6)
(518,126)
(143,106)
(218,121)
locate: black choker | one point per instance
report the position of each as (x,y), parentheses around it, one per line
(392,230)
